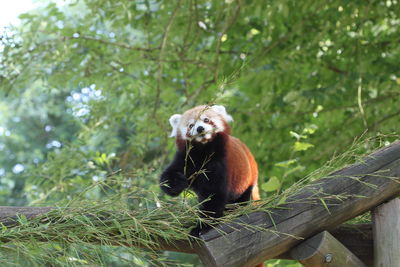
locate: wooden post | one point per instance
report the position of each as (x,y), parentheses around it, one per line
(386,232)
(324,250)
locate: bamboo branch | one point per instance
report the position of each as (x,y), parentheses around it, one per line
(357,238)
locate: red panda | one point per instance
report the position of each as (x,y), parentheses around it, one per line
(209,161)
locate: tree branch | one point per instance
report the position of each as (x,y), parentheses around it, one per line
(161,55)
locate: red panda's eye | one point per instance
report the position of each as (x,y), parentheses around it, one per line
(206,120)
(191,126)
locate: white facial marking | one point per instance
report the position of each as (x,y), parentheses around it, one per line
(183,130)
(206,128)
(191,129)
(219,125)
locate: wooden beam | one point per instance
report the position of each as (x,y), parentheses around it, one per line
(386,230)
(346,194)
(323,249)
(9,215)
(356,237)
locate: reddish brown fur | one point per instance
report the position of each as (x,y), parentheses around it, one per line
(241,167)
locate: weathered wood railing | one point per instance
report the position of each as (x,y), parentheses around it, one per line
(362,186)
(354,190)
(358,238)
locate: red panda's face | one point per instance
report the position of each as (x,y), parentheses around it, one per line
(200,124)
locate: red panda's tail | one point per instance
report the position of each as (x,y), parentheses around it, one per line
(255,194)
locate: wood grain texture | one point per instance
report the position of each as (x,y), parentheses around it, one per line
(386,231)
(361,187)
(324,250)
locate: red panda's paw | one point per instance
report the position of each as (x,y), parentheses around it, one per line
(173,183)
(195,232)
(199,229)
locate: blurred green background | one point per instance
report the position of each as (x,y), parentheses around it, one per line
(87,88)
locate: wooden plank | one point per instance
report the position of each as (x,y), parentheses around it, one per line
(323,249)
(358,188)
(358,239)
(386,231)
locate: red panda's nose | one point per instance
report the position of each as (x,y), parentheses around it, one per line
(200,129)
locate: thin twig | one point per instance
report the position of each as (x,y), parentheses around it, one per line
(122,45)
(160,57)
(359,101)
(385,118)
(227,26)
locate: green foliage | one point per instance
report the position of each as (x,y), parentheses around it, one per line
(72,235)
(88,86)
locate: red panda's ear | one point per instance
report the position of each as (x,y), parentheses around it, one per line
(174,121)
(221,110)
